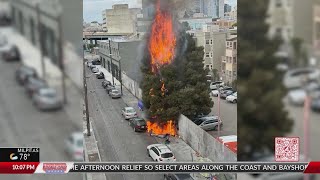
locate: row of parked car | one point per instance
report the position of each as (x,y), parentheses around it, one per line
(225,92)
(8,51)
(303,82)
(43,97)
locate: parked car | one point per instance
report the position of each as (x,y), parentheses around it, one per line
(109,88)
(209,123)
(298,96)
(23,73)
(160,153)
(138,124)
(74,146)
(315,105)
(46,99)
(226,93)
(296,78)
(34,84)
(95,70)
(221,90)
(232,98)
(178,177)
(216,85)
(105,83)
(128,112)
(100,76)
(12,55)
(114,93)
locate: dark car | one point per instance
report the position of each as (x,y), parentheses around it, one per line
(23,73)
(315,105)
(226,93)
(100,76)
(109,88)
(138,124)
(12,55)
(178,177)
(33,84)
(105,83)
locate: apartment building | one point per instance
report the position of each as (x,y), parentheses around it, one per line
(229,61)
(213,40)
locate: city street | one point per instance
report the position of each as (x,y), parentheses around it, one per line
(228,113)
(22,125)
(116,139)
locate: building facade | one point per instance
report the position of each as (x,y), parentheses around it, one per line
(196,23)
(39,23)
(214,8)
(213,40)
(224,23)
(229,61)
(316,31)
(227,8)
(124,56)
(121,19)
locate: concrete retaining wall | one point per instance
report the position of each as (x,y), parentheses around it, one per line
(132,86)
(203,142)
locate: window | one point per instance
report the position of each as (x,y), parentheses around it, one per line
(207,55)
(234,73)
(211,54)
(234,59)
(207,41)
(211,41)
(234,45)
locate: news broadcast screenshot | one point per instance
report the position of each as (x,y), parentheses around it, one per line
(147,90)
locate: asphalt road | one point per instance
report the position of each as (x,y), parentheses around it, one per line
(297,114)
(228,113)
(22,125)
(116,139)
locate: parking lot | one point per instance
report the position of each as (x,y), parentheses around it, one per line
(228,113)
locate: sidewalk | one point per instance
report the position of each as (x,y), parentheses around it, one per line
(31,57)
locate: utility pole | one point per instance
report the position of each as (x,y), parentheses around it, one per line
(111,61)
(61,57)
(120,76)
(86,95)
(41,43)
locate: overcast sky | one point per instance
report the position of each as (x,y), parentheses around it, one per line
(92,9)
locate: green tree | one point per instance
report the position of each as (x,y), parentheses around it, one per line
(185,89)
(261,113)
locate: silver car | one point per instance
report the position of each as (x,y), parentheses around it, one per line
(46,99)
(209,123)
(128,112)
(114,93)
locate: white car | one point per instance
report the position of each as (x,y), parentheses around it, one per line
(128,112)
(296,78)
(298,96)
(74,146)
(160,153)
(216,85)
(232,98)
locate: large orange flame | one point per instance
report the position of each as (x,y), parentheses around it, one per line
(162,48)
(166,128)
(162,41)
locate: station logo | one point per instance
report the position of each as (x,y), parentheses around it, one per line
(54,168)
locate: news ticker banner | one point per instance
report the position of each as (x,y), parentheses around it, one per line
(144,167)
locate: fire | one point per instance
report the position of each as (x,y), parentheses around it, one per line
(157,128)
(162,41)
(161,47)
